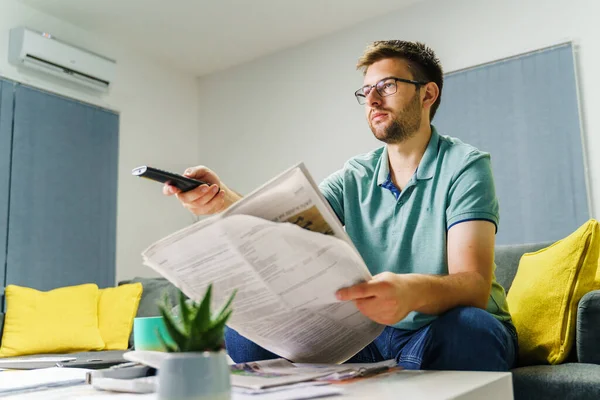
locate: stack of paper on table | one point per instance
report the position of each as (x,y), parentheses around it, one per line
(33,362)
(278,374)
(13,382)
(266,374)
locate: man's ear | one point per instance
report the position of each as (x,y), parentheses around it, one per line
(430,94)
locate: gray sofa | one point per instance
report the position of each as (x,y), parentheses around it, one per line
(579,378)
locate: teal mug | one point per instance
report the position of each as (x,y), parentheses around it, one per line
(146,331)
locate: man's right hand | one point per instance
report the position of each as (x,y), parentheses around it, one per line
(205,199)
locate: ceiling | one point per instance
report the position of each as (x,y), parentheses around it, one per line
(203,36)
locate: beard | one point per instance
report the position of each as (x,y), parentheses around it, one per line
(403,126)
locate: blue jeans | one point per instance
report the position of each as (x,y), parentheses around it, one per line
(464,338)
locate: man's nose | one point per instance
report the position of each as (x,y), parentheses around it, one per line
(373,98)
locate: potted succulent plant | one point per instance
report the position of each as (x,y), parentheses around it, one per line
(197,369)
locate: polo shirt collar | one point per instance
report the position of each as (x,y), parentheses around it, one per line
(426,167)
(384,167)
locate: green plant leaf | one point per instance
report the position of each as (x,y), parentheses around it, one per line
(202,318)
(215,339)
(197,342)
(222,320)
(198,338)
(196,329)
(168,347)
(215,336)
(178,337)
(184,313)
(166,301)
(227,304)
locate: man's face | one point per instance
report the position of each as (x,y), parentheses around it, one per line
(396,117)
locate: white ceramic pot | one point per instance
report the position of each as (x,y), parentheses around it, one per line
(194,376)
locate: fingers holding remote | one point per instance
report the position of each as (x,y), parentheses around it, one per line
(170,190)
(203,174)
(203,200)
(209,198)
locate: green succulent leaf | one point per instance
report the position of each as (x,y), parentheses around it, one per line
(166,301)
(202,318)
(196,329)
(227,304)
(168,347)
(197,343)
(186,346)
(171,325)
(221,320)
(184,313)
(215,339)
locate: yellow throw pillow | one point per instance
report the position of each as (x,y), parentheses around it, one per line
(597,285)
(545,293)
(116,310)
(62,320)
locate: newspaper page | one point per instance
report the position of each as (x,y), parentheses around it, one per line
(271,373)
(293,197)
(260,375)
(284,251)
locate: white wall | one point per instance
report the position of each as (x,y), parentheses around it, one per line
(158,110)
(260,118)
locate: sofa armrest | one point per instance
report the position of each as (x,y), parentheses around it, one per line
(588,328)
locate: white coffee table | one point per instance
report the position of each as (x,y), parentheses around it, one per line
(429,385)
(432,385)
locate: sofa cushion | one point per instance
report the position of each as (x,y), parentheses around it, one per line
(62,320)
(117,308)
(507,259)
(561,382)
(588,329)
(152,295)
(546,291)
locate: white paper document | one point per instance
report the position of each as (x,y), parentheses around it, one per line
(260,375)
(271,375)
(285,252)
(13,382)
(15,360)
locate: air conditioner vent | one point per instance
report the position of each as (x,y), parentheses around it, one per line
(39,51)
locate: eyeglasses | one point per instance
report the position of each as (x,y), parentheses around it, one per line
(385,87)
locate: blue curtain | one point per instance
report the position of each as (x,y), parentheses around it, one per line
(6,111)
(524,111)
(63,192)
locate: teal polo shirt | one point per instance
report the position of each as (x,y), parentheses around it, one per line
(406,231)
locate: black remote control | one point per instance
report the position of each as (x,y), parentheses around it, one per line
(179,181)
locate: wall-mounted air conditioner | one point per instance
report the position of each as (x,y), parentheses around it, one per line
(40,51)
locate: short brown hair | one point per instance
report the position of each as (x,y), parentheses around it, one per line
(422,62)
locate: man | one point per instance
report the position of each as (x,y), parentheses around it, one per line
(423,213)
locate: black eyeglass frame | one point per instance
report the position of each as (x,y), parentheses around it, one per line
(362,96)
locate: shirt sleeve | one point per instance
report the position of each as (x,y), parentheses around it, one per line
(472,194)
(332,189)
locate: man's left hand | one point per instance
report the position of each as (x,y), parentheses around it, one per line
(386,299)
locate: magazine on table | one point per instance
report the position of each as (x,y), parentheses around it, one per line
(259,376)
(285,252)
